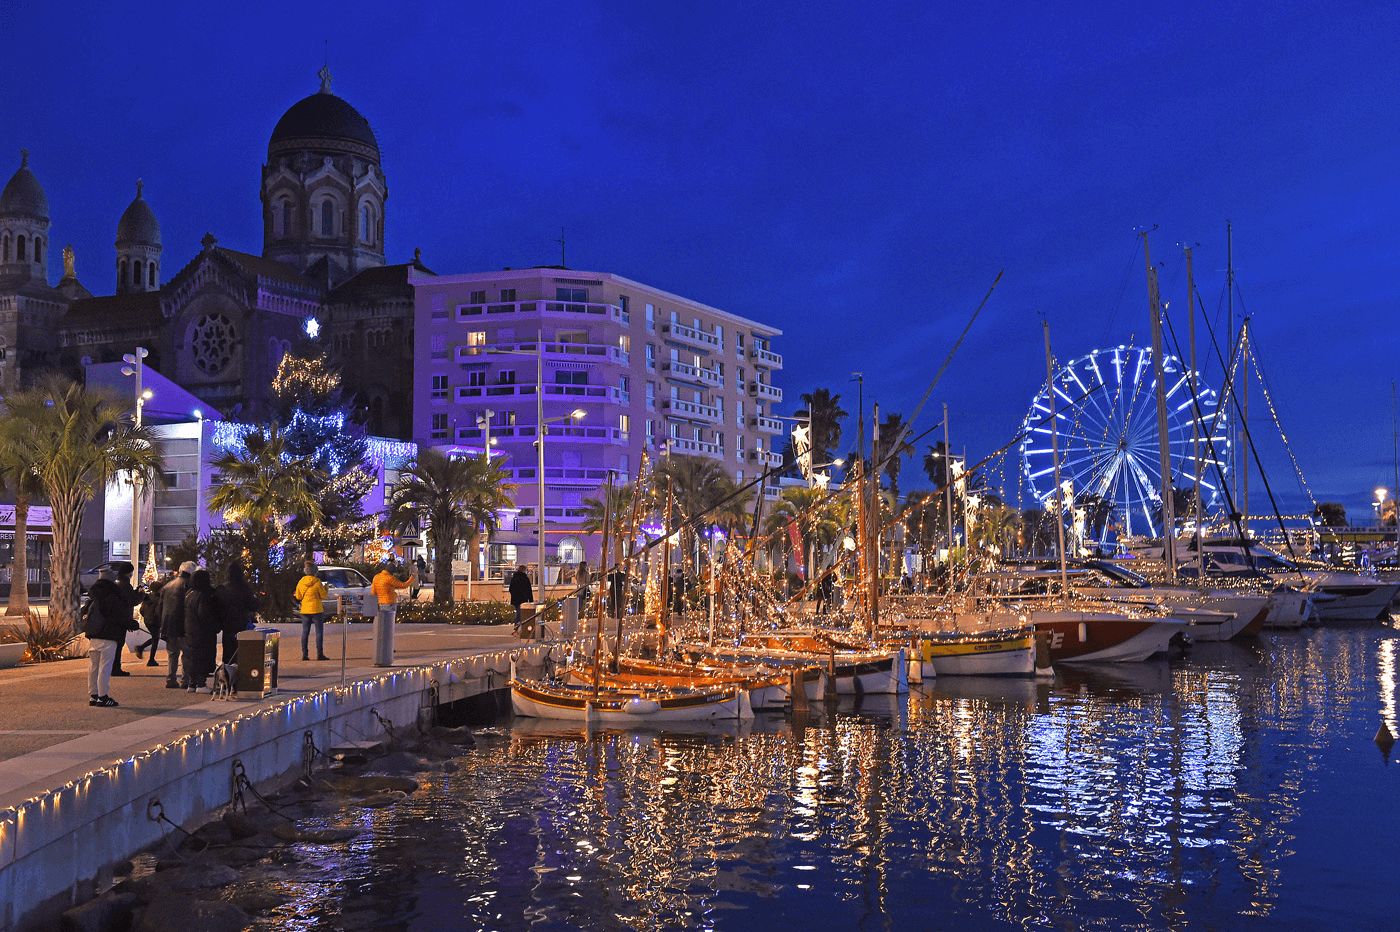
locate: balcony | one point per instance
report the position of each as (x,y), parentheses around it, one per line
(696,447)
(689,409)
(598,351)
(766,457)
(605,393)
(579,433)
(769,425)
(765,391)
(493,391)
(692,335)
(546,309)
(766,358)
(684,370)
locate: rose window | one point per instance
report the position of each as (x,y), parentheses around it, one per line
(212,340)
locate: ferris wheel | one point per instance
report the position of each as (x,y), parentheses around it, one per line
(1105,423)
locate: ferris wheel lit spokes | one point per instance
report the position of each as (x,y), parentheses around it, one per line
(1106,423)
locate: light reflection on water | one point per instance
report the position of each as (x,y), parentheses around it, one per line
(1237,787)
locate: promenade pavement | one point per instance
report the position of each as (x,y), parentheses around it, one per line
(49,734)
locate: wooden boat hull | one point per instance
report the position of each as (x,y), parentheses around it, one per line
(1090,637)
(852,675)
(622,709)
(1012,654)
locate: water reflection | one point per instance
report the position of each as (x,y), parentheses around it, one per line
(1200,793)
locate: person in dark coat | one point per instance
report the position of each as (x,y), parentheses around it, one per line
(150,615)
(520,591)
(240,608)
(103,641)
(203,622)
(124,571)
(172,625)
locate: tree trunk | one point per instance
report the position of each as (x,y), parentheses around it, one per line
(68,511)
(443,551)
(19,570)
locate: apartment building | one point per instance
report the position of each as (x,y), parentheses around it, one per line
(625,368)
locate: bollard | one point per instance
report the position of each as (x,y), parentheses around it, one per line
(384,635)
(797,690)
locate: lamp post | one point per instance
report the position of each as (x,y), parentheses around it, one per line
(483,421)
(1379,503)
(134,367)
(198,469)
(540,432)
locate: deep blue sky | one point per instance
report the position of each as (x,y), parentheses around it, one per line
(854,176)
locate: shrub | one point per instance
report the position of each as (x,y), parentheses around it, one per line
(465,613)
(48,638)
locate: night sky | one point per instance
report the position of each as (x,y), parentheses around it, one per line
(855,178)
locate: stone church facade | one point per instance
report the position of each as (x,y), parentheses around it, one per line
(219,326)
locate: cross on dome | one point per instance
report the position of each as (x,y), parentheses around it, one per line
(325,75)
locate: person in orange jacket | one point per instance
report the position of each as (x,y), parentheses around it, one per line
(386,588)
(310,592)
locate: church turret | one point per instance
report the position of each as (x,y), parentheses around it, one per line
(138,248)
(24,225)
(323,191)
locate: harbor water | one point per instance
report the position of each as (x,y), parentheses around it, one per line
(1237,786)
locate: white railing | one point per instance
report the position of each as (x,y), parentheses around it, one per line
(692,334)
(767,424)
(766,457)
(691,409)
(551,308)
(765,391)
(766,358)
(699,447)
(696,373)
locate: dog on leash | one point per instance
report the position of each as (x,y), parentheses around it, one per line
(225,681)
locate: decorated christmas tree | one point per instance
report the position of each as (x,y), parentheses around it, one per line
(318,424)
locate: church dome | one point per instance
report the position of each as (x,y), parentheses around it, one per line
(322,116)
(23,195)
(138,223)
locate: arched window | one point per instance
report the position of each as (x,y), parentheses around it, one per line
(366,224)
(136,272)
(151,274)
(121,272)
(19,248)
(327,218)
(274,354)
(5,249)
(376,417)
(38,249)
(282,219)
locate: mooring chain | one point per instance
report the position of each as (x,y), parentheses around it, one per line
(308,753)
(156,813)
(433,699)
(387,725)
(240,779)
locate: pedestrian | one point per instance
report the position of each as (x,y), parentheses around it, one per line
(520,591)
(827,588)
(172,626)
(150,614)
(106,620)
(240,608)
(582,578)
(310,592)
(133,598)
(203,621)
(421,566)
(386,588)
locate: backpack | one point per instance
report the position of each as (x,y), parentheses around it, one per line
(93,619)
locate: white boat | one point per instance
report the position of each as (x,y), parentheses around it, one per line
(1348,596)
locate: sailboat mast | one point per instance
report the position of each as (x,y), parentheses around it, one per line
(948,487)
(1195,414)
(1244,427)
(873,535)
(1164,453)
(1055,459)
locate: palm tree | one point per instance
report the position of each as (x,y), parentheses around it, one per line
(14,474)
(260,488)
(452,498)
(697,485)
(824,414)
(819,523)
(75,442)
(594,517)
(894,446)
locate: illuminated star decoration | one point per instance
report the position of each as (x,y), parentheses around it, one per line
(312,327)
(802,446)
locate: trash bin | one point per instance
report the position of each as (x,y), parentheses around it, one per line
(528,622)
(257,662)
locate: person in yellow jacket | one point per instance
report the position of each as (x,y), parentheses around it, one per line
(386,588)
(309,592)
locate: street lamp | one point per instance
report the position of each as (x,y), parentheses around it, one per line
(199,469)
(1379,503)
(134,367)
(540,431)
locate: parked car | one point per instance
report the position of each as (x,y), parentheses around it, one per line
(347,582)
(87,577)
